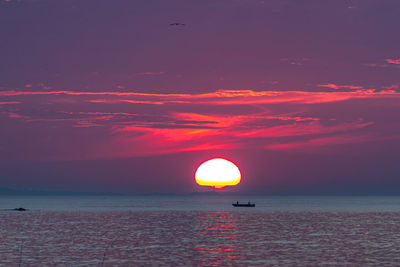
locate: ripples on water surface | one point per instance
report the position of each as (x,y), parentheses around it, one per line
(238,237)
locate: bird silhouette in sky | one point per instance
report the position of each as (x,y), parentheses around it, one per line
(177,24)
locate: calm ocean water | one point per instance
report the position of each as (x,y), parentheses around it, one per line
(199,230)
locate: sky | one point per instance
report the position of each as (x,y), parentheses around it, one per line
(107,96)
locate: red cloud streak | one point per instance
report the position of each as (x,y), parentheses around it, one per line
(135,123)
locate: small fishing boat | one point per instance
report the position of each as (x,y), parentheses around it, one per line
(20,209)
(237,204)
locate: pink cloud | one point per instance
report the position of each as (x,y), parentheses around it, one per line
(299,129)
(143,102)
(231,131)
(370,64)
(321,141)
(334,86)
(189,122)
(103,101)
(86,124)
(108,113)
(150,73)
(393,61)
(390,87)
(13,115)
(295,61)
(16,116)
(10,103)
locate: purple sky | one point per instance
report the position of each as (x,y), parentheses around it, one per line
(106,96)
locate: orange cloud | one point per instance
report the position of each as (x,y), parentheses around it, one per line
(220,97)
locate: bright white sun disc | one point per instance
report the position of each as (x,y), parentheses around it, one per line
(218,172)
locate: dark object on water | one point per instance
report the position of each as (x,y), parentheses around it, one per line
(20,209)
(237,204)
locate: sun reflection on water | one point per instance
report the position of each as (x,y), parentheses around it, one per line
(218,236)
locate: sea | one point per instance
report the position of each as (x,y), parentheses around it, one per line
(199,230)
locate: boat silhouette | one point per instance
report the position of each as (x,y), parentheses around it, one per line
(20,209)
(248,204)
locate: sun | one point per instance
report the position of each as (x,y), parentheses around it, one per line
(218,173)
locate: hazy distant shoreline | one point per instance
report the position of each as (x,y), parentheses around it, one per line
(5,191)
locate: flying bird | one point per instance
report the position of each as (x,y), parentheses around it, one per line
(177,24)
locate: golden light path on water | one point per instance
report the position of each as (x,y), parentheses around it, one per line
(218,173)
